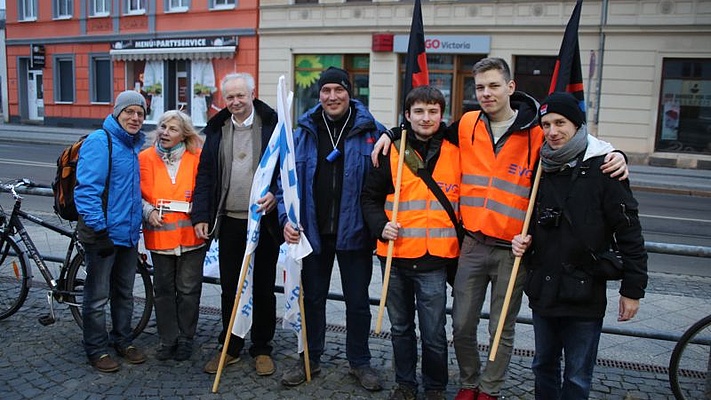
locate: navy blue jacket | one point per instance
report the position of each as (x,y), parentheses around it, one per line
(352,232)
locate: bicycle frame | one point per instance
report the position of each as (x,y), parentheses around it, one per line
(15,227)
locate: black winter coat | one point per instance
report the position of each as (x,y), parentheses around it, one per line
(598,206)
(208,183)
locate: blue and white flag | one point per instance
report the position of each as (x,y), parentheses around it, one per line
(260,187)
(294,252)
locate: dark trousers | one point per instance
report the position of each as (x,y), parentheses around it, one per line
(356,269)
(233,242)
(177,284)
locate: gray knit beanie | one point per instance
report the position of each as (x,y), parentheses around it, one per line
(127,99)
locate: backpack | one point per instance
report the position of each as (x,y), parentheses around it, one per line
(66,179)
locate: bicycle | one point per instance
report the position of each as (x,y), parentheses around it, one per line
(17,249)
(690,363)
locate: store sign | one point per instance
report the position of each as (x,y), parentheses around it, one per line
(175,43)
(37,57)
(448,44)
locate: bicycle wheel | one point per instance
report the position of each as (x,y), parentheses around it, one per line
(14,278)
(690,363)
(142,294)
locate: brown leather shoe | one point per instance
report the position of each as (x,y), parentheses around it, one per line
(264,365)
(132,354)
(214,363)
(104,363)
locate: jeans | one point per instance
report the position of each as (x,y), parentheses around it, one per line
(108,278)
(233,242)
(577,339)
(479,266)
(425,292)
(356,269)
(177,284)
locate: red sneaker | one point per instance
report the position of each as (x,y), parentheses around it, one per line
(484,396)
(467,394)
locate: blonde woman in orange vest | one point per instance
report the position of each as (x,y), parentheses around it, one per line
(425,242)
(168,171)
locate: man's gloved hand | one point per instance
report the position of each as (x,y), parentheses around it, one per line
(104,244)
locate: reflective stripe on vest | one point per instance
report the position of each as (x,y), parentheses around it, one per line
(426,227)
(495,187)
(177,229)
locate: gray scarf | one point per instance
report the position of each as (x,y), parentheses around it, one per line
(555,160)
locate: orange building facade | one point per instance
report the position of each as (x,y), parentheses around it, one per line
(67,60)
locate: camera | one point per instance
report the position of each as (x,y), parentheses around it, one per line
(549,217)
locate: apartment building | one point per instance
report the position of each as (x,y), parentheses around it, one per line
(68,59)
(647,63)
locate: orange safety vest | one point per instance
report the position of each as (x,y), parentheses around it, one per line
(177,229)
(496,187)
(426,227)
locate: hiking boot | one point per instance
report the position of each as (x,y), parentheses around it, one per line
(183,351)
(403,392)
(132,354)
(264,365)
(214,363)
(467,394)
(434,395)
(296,375)
(104,363)
(165,352)
(367,377)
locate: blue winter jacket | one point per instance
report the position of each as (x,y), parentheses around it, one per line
(123,216)
(352,233)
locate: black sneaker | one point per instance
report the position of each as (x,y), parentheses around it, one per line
(165,352)
(184,351)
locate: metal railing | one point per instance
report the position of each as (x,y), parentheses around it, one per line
(652,247)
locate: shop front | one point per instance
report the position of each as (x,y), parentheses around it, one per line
(180,73)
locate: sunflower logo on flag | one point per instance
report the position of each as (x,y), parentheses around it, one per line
(308,70)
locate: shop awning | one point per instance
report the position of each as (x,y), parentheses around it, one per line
(183,53)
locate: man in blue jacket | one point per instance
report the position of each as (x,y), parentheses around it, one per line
(332,145)
(109,227)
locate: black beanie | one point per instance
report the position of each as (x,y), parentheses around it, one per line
(335,75)
(565,104)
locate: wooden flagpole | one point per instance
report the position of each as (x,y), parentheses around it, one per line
(514,270)
(391,243)
(228,334)
(304,337)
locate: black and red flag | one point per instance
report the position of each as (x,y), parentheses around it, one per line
(416,73)
(568,74)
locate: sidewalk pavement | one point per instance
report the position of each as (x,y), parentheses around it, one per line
(41,362)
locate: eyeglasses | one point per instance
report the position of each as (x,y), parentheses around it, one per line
(133,113)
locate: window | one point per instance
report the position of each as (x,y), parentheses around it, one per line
(222,4)
(27,10)
(305,1)
(63,8)
(135,6)
(64,79)
(308,70)
(101,80)
(684,116)
(178,5)
(533,75)
(99,8)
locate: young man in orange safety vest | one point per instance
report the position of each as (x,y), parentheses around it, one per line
(425,241)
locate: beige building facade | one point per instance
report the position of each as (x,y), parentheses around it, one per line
(646,63)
